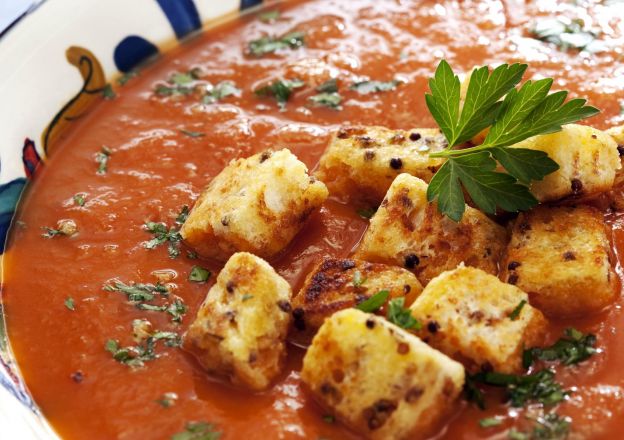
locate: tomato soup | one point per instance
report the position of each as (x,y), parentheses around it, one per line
(162,149)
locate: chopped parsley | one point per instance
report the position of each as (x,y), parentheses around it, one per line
(199,274)
(167,400)
(281,90)
(490,422)
(220,91)
(367,87)
(269,44)
(170,235)
(80,199)
(551,426)
(528,111)
(373,303)
(137,355)
(401,316)
(108,92)
(138,292)
(331,100)
(328,418)
(269,16)
(180,83)
(358,281)
(515,313)
(193,134)
(572,348)
(102,158)
(566,35)
(51,232)
(247,297)
(191,255)
(123,79)
(198,431)
(69,303)
(537,387)
(328,95)
(176,309)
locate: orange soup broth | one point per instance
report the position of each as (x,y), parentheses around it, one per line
(155,169)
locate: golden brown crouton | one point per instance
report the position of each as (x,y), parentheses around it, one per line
(588,159)
(256,205)
(560,257)
(337,284)
(363,161)
(410,232)
(240,329)
(380,380)
(472,316)
(617,133)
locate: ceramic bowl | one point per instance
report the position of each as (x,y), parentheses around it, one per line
(52,59)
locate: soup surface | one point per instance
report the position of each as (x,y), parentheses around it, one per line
(164,150)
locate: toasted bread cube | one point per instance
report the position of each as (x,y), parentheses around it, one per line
(380,380)
(255,205)
(337,284)
(617,133)
(241,327)
(560,256)
(470,315)
(363,161)
(410,232)
(588,159)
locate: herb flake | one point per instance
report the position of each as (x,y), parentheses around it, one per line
(269,44)
(373,303)
(515,313)
(572,348)
(101,158)
(198,431)
(401,316)
(199,274)
(368,87)
(281,90)
(69,303)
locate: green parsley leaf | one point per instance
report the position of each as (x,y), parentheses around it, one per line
(472,392)
(490,422)
(108,92)
(373,303)
(199,274)
(123,79)
(487,187)
(220,91)
(515,313)
(523,113)
(180,83)
(191,255)
(193,134)
(51,232)
(80,199)
(281,90)
(247,297)
(401,316)
(198,431)
(566,35)
(552,426)
(514,434)
(269,16)
(572,348)
(176,309)
(269,44)
(69,303)
(331,100)
(102,158)
(367,87)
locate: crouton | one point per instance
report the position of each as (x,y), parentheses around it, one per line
(588,159)
(560,256)
(337,284)
(255,205)
(472,316)
(380,380)
(617,133)
(241,327)
(362,162)
(410,232)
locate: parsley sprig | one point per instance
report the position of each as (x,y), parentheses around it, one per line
(170,235)
(512,115)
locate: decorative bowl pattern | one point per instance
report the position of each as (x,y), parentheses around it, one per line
(42,94)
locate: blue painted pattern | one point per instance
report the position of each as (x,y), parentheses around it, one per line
(249,3)
(132,51)
(182,14)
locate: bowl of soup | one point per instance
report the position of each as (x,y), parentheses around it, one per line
(312,219)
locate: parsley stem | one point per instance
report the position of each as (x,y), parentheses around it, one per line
(462,152)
